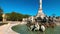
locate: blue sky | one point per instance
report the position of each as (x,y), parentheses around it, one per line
(31,6)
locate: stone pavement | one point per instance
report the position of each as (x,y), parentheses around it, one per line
(6,29)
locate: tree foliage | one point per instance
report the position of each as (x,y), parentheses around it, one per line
(16,16)
(57,17)
(1,12)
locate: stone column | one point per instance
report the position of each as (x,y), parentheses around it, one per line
(4,19)
(40,11)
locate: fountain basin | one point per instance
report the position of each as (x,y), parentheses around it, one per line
(23,29)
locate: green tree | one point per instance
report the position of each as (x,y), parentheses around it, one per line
(26,16)
(53,15)
(1,12)
(57,17)
(16,16)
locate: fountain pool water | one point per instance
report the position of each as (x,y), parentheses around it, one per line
(23,29)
